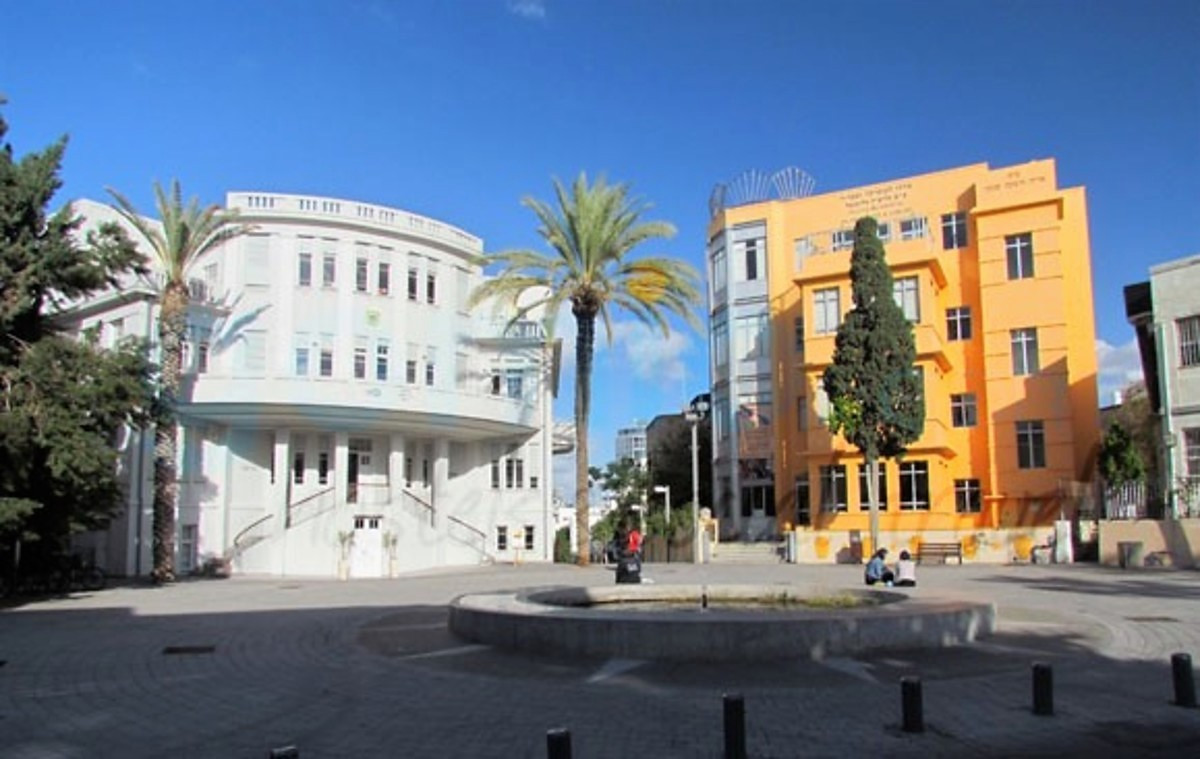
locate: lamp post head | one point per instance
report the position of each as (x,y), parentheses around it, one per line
(662,488)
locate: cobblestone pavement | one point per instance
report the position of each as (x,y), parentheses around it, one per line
(234,668)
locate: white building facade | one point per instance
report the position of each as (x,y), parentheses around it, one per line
(342,412)
(631,443)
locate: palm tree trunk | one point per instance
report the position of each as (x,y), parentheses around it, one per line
(584,344)
(172,324)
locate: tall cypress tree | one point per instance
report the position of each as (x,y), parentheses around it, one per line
(874,391)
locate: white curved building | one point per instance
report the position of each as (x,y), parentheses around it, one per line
(342,412)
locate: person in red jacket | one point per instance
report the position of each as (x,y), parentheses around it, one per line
(635,542)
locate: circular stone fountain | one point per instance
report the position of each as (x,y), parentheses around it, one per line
(715,622)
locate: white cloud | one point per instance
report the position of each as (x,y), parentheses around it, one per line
(652,356)
(1119,365)
(534,10)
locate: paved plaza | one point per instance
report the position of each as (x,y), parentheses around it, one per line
(234,668)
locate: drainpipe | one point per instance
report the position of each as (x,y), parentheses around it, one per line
(1164,383)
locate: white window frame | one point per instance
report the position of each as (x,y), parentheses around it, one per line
(914,477)
(1025,351)
(958,323)
(964,411)
(827,310)
(968,496)
(914,228)
(1018,253)
(842,239)
(1031,444)
(1188,331)
(907,292)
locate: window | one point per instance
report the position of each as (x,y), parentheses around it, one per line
(1024,351)
(501,538)
(721,419)
(202,357)
(801,413)
(360,275)
(1019,250)
(528,537)
(430,361)
(381,362)
(842,239)
(496,472)
(188,535)
(323,468)
(301,361)
(751,258)
(329,272)
(906,292)
(803,506)
(254,354)
(914,486)
(962,410)
(1191,444)
(919,373)
(826,311)
(967,497)
(833,488)
(954,230)
(410,371)
(1031,445)
(257,267)
(718,271)
(1189,340)
(305,273)
(298,463)
(514,472)
(513,379)
(798,332)
(720,337)
(413,279)
(884,231)
(914,228)
(495,382)
(752,336)
(430,288)
(326,360)
(864,496)
(360,362)
(958,323)
(802,248)
(384,278)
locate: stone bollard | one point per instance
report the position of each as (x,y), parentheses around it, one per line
(910,705)
(558,743)
(735,726)
(1043,689)
(1185,684)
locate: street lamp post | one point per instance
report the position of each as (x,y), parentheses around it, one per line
(666,491)
(694,413)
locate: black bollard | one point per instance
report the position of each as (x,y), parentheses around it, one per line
(1185,685)
(284,752)
(1043,689)
(735,726)
(910,704)
(558,743)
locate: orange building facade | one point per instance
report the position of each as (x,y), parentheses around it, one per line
(992,267)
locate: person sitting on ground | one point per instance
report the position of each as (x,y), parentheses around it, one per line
(877,571)
(906,571)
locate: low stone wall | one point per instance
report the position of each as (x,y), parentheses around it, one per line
(1164,542)
(999,546)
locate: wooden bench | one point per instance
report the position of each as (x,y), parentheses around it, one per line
(940,551)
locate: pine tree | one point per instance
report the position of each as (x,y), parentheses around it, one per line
(62,402)
(873,387)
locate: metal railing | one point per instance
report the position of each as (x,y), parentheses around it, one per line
(419,505)
(369,493)
(311,506)
(250,534)
(474,538)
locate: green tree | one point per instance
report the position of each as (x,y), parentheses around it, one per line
(183,234)
(1119,459)
(592,231)
(873,385)
(671,465)
(61,401)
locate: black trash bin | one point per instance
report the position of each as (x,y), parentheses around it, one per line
(629,569)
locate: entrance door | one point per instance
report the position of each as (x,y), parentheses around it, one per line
(366,553)
(352,477)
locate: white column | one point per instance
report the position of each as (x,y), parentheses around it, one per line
(441,474)
(396,482)
(341,466)
(281,456)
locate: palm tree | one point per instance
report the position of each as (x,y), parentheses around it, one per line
(591,233)
(183,234)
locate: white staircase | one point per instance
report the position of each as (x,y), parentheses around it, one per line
(747,553)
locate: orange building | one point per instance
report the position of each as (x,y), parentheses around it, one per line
(993,268)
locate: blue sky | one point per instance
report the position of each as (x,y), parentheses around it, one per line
(457,109)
